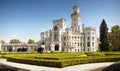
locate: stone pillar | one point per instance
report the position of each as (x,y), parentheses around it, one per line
(6,48)
(52,47)
(60,47)
(12,48)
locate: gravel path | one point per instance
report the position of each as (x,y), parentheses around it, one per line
(9,68)
(81,67)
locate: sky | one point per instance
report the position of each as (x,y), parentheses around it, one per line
(26,19)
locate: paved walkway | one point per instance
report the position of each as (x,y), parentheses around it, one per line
(81,67)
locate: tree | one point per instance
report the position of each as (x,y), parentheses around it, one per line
(114,38)
(15,41)
(104,44)
(2,42)
(31,41)
(42,42)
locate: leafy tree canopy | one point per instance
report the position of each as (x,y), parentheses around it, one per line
(31,41)
(114,38)
(2,42)
(15,41)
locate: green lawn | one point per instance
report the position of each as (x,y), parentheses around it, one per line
(62,59)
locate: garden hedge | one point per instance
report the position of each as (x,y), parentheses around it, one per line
(51,63)
(63,59)
(63,63)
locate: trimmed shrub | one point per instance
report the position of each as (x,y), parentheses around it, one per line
(62,59)
(51,63)
(95,54)
(62,63)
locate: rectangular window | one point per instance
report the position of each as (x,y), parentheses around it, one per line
(93,38)
(67,32)
(88,44)
(93,44)
(81,44)
(78,44)
(64,44)
(78,38)
(88,38)
(74,19)
(84,49)
(75,50)
(64,38)
(81,38)
(88,49)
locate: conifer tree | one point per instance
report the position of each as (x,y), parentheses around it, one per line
(104,44)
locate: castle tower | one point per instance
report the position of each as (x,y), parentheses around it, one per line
(76,20)
(59,27)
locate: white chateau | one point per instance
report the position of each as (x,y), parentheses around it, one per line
(77,38)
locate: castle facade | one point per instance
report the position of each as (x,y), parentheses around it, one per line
(77,38)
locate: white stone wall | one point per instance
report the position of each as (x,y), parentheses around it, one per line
(74,39)
(91,37)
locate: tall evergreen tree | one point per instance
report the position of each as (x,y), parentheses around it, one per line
(104,44)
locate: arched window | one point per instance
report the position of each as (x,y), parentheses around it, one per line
(55,28)
(56,47)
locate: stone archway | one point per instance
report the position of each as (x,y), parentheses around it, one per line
(57,47)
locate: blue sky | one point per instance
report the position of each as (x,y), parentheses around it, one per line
(24,19)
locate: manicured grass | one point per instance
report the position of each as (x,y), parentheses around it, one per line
(62,59)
